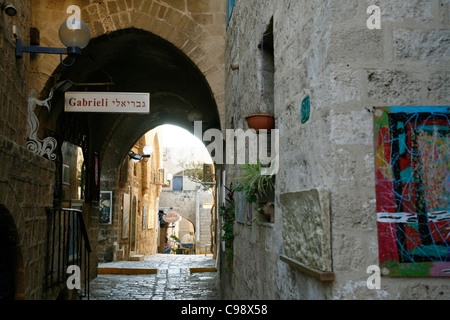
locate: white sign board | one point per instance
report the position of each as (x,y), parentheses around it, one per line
(111,102)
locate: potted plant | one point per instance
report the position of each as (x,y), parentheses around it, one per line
(259,188)
(262,118)
(261,121)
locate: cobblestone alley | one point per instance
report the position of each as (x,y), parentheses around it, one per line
(158,277)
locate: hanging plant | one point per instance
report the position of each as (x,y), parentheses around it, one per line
(261,121)
(254,182)
(258,188)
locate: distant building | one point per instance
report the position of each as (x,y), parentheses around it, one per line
(186,197)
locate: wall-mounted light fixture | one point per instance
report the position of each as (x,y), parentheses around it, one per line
(9,9)
(74,34)
(148,151)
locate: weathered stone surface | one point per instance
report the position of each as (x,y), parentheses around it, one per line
(422,45)
(24,193)
(438,88)
(393,87)
(341,133)
(337,87)
(306,228)
(325,50)
(415,11)
(350,45)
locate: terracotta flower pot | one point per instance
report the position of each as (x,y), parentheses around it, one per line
(261,121)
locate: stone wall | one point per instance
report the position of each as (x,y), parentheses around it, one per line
(324,50)
(26,179)
(14,86)
(136,181)
(26,189)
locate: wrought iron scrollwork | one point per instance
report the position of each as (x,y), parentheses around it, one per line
(44,147)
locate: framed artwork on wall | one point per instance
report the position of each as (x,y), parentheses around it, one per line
(412,171)
(105,207)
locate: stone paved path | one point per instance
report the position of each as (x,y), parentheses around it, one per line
(173,280)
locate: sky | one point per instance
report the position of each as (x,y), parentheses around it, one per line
(191,148)
(174,136)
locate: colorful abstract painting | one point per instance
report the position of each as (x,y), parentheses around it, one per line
(412,165)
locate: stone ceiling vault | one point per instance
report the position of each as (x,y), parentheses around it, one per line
(133,60)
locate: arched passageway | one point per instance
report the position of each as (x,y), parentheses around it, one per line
(129,60)
(188,195)
(170,49)
(133,60)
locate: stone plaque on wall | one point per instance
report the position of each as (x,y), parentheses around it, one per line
(306,228)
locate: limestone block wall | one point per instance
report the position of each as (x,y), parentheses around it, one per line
(324,50)
(14,77)
(26,179)
(183,202)
(137,233)
(25,192)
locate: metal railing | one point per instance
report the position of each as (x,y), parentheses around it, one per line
(67,245)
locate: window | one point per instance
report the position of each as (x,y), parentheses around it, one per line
(177,183)
(66,174)
(268,65)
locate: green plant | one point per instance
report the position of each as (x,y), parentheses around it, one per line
(177,242)
(174,237)
(227,212)
(254,183)
(257,187)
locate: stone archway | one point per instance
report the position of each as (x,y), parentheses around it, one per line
(171,49)
(133,60)
(196,28)
(177,89)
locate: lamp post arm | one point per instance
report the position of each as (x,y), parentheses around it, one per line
(20,49)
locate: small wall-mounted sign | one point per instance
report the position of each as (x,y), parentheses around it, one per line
(306,109)
(109,102)
(171,217)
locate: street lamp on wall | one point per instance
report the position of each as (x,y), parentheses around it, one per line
(148,151)
(74,34)
(9,9)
